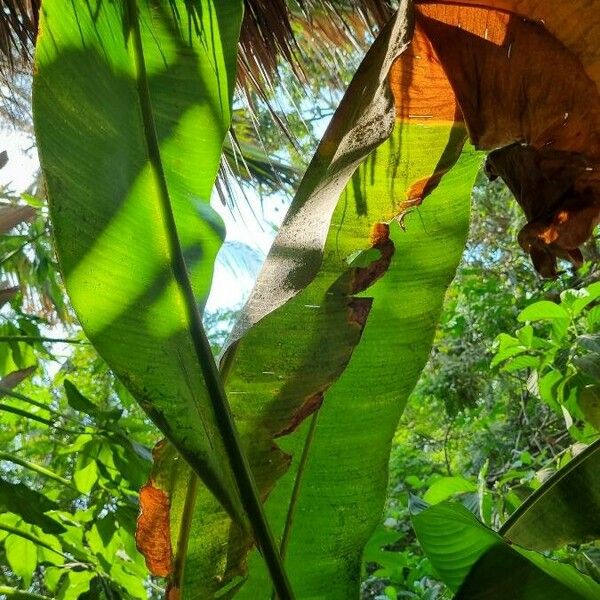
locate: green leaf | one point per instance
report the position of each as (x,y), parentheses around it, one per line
(283,364)
(21,594)
(29,505)
(343,482)
(503,573)
(52,577)
(590,342)
(589,403)
(79,402)
(130,114)
(85,477)
(474,561)
(589,365)
(75,584)
(446,487)
(564,510)
(543,311)
(587,295)
(21,555)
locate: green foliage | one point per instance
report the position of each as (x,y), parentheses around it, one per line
(558,345)
(68,491)
(474,561)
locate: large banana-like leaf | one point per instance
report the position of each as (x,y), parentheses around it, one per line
(132,101)
(331,499)
(343,268)
(564,510)
(477,563)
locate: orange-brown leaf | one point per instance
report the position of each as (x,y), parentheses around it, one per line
(152,534)
(526,82)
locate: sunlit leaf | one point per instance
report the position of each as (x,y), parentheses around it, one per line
(29,504)
(74,584)
(85,477)
(446,487)
(544,310)
(21,555)
(372,274)
(127,213)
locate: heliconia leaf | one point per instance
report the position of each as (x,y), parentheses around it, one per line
(129,128)
(564,510)
(477,563)
(346,272)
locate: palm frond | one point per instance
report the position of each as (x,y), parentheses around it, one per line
(294,33)
(268,30)
(18,28)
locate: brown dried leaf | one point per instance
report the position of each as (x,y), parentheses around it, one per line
(527,91)
(7,294)
(13,379)
(152,533)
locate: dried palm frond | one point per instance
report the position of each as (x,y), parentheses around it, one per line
(18,28)
(271,27)
(268,30)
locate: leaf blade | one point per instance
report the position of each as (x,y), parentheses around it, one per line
(102,185)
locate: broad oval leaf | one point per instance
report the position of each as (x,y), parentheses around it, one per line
(564,510)
(446,487)
(472,560)
(544,310)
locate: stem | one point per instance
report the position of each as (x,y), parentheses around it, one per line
(190,502)
(5,391)
(297,485)
(22,247)
(27,415)
(17,460)
(32,538)
(184,532)
(289,519)
(239,465)
(21,594)
(37,338)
